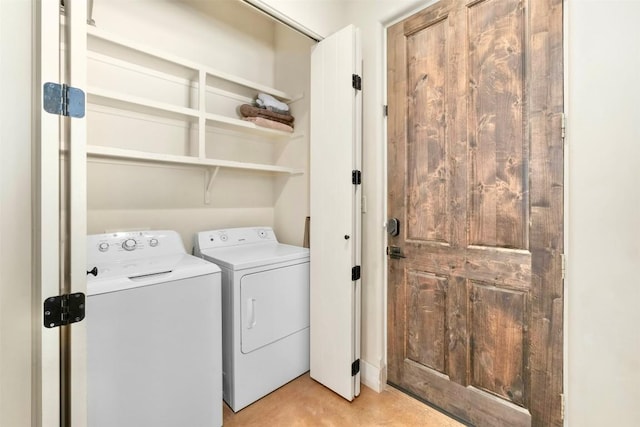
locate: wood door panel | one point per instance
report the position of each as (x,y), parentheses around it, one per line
(497,195)
(498,344)
(506,268)
(427,217)
(475,174)
(477,407)
(426,306)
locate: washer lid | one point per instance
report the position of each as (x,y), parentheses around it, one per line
(255,255)
(121,275)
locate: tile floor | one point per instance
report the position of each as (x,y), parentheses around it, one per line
(304,402)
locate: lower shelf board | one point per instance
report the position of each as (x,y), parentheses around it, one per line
(95,151)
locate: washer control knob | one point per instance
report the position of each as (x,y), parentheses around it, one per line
(153,242)
(103,247)
(129,244)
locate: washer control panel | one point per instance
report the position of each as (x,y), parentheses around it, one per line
(132,244)
(234,237)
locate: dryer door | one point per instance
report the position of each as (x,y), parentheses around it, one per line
(274,304)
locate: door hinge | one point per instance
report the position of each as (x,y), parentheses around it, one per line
(356,177)
(563,259)
(355,367)
(385,110)
(355,273)
(563,125)
(63,100)
(562,403)
(63,309)
(356,82)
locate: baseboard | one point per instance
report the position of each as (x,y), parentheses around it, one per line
(373,377)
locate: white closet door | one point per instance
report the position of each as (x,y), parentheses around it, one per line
(335,212)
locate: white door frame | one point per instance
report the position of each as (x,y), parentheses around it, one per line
(76,230)
(46,342)
(59,354)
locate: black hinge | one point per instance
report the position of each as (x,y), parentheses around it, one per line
(385,110)
(355,367)
(356,177)
(356,82)
(63,100)
(355,273)
(63,309)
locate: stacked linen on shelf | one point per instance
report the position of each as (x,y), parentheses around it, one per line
(269,113)
(268,102)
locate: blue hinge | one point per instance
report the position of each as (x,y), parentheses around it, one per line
(63,100)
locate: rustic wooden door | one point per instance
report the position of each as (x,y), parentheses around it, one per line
(475,178)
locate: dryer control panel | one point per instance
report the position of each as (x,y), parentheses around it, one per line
(234,237)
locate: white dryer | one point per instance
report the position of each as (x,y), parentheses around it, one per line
(265,310)
(153,321)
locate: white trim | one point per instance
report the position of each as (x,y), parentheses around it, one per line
(373,377)
(264,8)
(76,232)
(46,392)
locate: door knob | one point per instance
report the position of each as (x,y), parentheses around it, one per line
(93,271)
(393,226)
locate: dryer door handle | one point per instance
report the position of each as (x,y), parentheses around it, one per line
(251,313)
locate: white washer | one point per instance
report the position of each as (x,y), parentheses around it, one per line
(265,310)
(153,318)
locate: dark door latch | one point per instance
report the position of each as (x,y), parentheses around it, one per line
(395,252)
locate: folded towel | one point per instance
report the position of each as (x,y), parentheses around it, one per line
(247,110)
(270,101)
(260,104)
(261,121)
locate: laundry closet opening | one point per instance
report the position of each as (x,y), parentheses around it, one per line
(166,144)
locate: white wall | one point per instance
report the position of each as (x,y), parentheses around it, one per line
(603,200)
(228,36)
(316,18)
(291,193)
(15,213)
(603,288)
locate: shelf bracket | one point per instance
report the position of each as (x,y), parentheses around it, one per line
(209,176)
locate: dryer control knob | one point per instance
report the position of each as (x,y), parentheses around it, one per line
(103,247)
(129,244)
(153,242)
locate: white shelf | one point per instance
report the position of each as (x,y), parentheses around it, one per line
(146,60)
(230,123)
(133,103)
(142,105)
(132,155)
(106,36)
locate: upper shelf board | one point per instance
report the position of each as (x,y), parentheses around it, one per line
(106,36)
